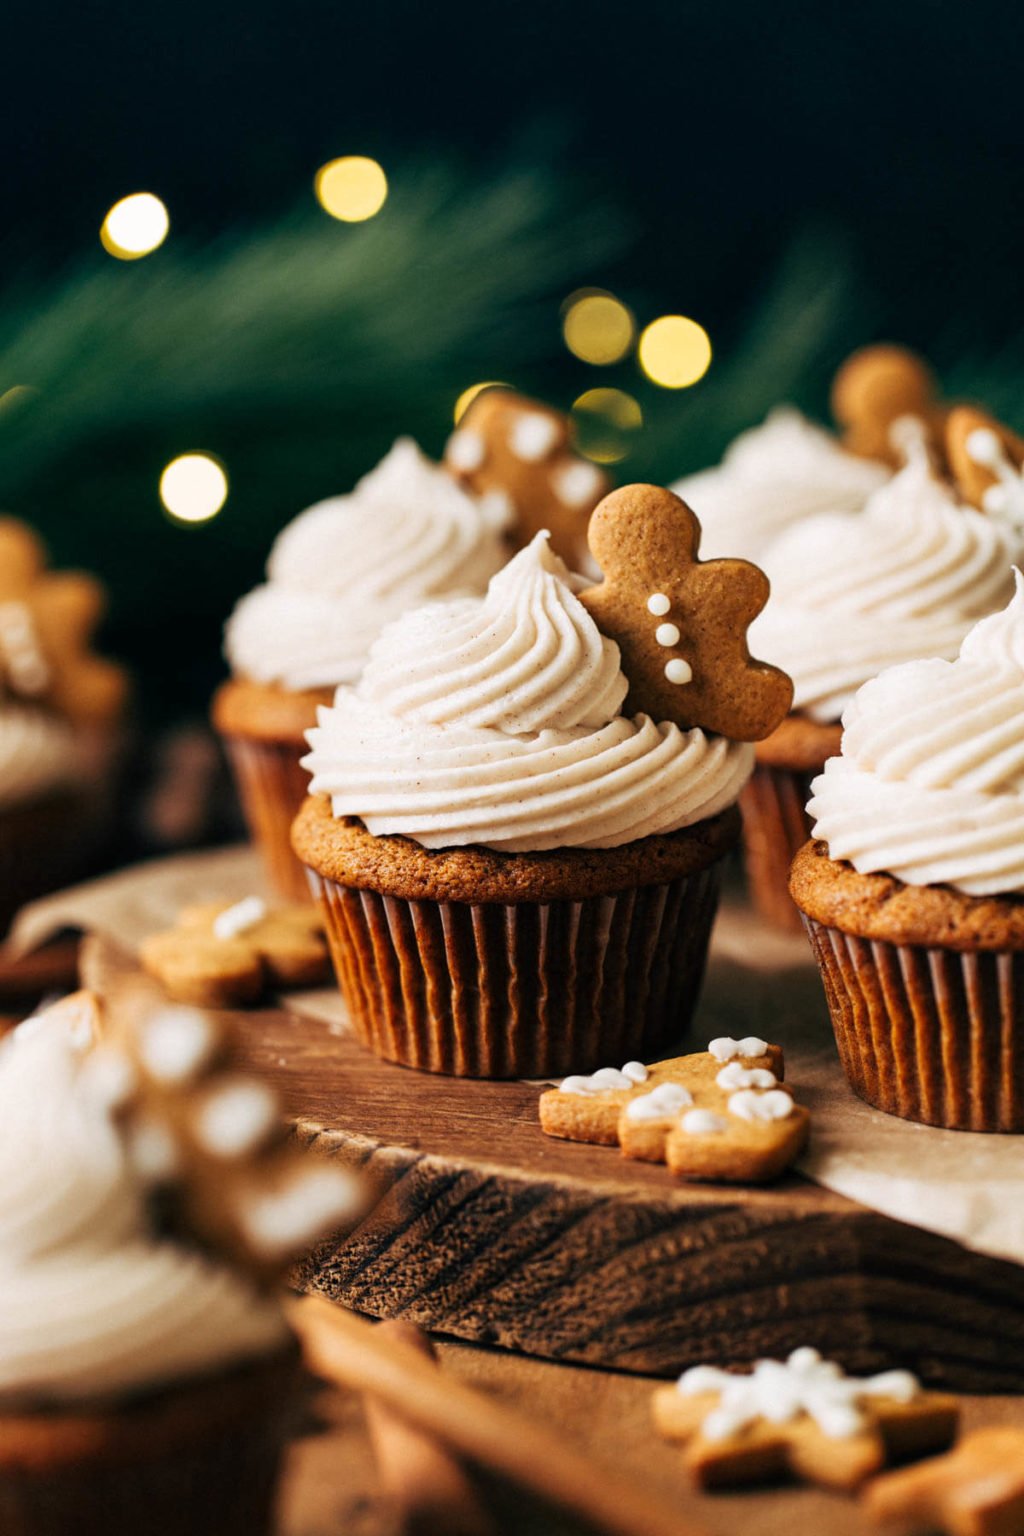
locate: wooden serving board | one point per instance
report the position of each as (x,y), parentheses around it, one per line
(485,1229)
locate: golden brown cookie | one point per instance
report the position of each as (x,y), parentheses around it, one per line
(223,956)
(718,1115)
(976,1489)
(875,388)
(681,622)
(800,1416)
(46,623)
(517,454)
(987,462)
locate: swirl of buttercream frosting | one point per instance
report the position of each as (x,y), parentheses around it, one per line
(929,786)
(771,476)
(853,593)
(533,753)
(38,754)
(91,1304)
(349,565)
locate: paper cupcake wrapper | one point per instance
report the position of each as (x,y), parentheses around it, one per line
(775,828)
(527,990)
(928,1034)
(272,786)
(203,1460)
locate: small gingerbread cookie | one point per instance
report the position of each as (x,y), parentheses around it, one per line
(517,455)
(976,1489)
(46,622)
(987,462)
(877,388)
(227,956)
(211,1140)
(681,622)
(719,1115)
(801,1416)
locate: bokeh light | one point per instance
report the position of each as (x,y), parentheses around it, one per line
(607,422)
(17,395)
(598,328)
(467,397)
(353,188)
(193,488)
(674,351)
(135,226)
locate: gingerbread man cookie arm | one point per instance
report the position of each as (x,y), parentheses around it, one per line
(873,390)
(680,623)
(987,463)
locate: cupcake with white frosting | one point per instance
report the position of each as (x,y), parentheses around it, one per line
(140,1375)
(335,577)
(773,476)
(517,877)
(913,892)
(853,593)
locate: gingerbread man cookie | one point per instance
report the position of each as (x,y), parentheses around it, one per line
(211,1139)
(517,456)
(46,622)
(681,622)
(976,1489)
(719,1115)
(223,956)
(803,1416)
(987,463)
(878,388)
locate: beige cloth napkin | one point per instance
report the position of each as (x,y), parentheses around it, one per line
(964,1186)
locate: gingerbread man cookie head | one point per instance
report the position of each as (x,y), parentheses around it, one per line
(987,463)
(873,390)
(681,622)
(46,623)
(517,456)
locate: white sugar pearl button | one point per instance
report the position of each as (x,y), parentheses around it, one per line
(678,671)
(576,484)
(658,604)
(667,634)
(983,447)
(466,450)
(532,437)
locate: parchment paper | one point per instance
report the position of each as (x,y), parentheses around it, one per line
(968,1187)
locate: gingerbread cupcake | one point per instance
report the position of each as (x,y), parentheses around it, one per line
(913,891)
(61,723)
(853,593)
(517,818)
(146,1381)
(336,575)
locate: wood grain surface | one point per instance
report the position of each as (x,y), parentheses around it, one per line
(485,1229)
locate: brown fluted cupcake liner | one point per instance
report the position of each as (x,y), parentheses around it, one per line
(775,826)
(927,1033)
(197,1460)
(272,786)
(530,989)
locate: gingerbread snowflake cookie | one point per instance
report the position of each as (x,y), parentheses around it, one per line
(681,622)
(222,956)
(987,463)
(47,620)
(210,1139)
(976,1489)
(801,1416)
(720,1115)
(517,456)
(876,392)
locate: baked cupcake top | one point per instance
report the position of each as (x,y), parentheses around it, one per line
(907,577)
(774,475)
(497,721)
(347,566)
(929,786)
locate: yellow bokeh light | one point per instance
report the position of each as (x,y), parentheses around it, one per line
(135,226)
(193,487)
(598,328)
(674,351)
(607,422)
(353,188)
(17,395)
(467,397)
